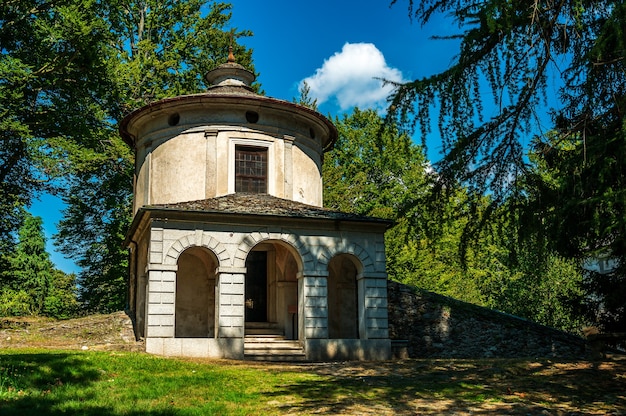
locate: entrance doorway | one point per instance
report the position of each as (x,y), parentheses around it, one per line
(256,286)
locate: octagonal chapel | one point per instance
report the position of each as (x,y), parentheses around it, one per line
(231,253)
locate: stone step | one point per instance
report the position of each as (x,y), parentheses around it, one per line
(272,345)
(265,338)
(264,349)
(261,325)
(276,357)
(264,331)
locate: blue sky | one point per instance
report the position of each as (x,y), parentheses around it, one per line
(338,47)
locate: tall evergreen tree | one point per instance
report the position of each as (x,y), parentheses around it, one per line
(523,51)
(30,273)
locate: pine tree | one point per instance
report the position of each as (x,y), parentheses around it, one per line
(562,59)
(30,272)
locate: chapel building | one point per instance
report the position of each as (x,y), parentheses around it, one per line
(231,253)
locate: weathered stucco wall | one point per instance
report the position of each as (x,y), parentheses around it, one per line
(437,326)
(200,163)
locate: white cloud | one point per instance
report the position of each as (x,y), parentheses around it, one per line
(353,77)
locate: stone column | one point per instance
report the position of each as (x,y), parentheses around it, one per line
(230,311)
(288,164)
(230,302)
(373,321)
(211,173)
(313,298)
(161,297)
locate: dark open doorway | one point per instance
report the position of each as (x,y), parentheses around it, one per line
(256,287)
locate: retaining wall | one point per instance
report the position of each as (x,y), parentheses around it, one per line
(427,325)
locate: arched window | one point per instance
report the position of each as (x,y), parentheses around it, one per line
(195,294)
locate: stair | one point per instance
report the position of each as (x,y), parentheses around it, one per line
(264,341)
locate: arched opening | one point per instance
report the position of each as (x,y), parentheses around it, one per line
(271,289)
(343,297)
(195,294)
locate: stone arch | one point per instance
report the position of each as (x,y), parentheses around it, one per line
(299,249)
(197,239)
(195,293)
(366,264)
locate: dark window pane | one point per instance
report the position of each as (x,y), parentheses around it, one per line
(250,169)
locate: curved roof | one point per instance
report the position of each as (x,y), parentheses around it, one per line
(230,86)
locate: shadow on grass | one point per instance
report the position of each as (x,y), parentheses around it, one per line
(462,386)
(39,384)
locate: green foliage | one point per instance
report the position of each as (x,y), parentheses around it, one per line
(30,267)
(31,284)
(568,198)
(373,169)
(545,290)
(578,192)
(50,72)
(62,301)
(305,98)
(376,170)
(156,49)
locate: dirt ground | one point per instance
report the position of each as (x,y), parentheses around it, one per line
(414,386)
(98,332)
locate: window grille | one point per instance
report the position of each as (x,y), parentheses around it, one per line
(251,169)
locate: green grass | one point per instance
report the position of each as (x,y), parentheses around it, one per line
(102,383)
(57,382)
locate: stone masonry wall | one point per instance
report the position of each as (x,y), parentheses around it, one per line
(427,325)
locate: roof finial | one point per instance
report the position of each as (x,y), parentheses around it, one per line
(231,56)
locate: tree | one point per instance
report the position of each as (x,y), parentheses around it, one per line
(517,49)
(31,284)
(52,73)
(31,269)
(376,170)
(158,49)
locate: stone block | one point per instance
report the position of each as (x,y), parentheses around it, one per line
(154,346)
(173,347)
(168,276)
(227,278)
(375,292)
(231,332)
(229,299)
(312,333)
(161,309)
(377,323)
(318,301)
(319,322)
(231,321)
(376,313)
(315,282)
(378,333)
(155,276)
(230,310)
(376,302)
(156,234)
(155,257)
(159,331)
(159,320)
(195,347)
(156,246)
(316,312)
(162,287)
(316,291)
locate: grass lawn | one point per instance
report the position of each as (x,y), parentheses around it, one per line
(73,382)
